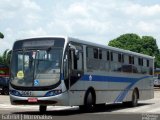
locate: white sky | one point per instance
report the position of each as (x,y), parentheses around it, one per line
(94,20)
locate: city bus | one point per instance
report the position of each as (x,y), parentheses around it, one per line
(157,77)
(67,71)
(4,79)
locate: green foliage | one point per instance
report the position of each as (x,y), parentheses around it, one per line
(5,58)
(1,35)
(145,45)
(127,42)
(149,46)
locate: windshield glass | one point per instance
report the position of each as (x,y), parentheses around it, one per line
(36,67)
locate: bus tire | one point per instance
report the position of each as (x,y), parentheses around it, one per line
(134,102)
(42,108)
(90,100)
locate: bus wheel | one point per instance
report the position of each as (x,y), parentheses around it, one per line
(42,108)
(89,101)
(134,101)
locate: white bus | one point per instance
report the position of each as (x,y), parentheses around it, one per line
(71,72)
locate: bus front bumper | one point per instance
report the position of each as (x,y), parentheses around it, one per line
(61,99)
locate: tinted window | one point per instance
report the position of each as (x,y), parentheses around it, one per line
(100,54)
(108,55)
(95,51)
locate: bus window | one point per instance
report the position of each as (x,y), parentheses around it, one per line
(108,55)
(76,57)
(100,54)
(95,50)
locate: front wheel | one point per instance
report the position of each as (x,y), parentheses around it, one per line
(89,102)
(42,108)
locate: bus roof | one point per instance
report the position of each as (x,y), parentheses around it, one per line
(111,48)
(93,44)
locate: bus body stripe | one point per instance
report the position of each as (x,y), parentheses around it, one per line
(124,92)
(112,78)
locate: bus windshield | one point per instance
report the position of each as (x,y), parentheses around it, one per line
(35,68)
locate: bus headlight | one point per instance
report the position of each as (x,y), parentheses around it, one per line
(15,92)
(53,93)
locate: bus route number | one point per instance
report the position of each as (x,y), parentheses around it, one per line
(26,93)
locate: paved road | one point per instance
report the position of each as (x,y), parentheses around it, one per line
(147,110)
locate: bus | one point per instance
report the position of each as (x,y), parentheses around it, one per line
(4,71)
(4,79)
(157,77)
(67,71)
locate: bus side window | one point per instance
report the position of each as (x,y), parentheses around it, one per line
(73,61)
(75,64)
(66,66)
(95,50)
(108,55)
(76,57)
(80,61)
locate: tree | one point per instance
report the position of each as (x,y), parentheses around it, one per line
(5,58)
(150,45)
(1,35)
(145,45)
(127,41)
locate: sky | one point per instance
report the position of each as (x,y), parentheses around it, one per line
(92,20)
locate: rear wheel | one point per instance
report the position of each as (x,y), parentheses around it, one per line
(134,101)
(42,108)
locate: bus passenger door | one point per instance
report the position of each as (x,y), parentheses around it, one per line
(75,64)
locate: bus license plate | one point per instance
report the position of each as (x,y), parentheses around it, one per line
(32,99)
